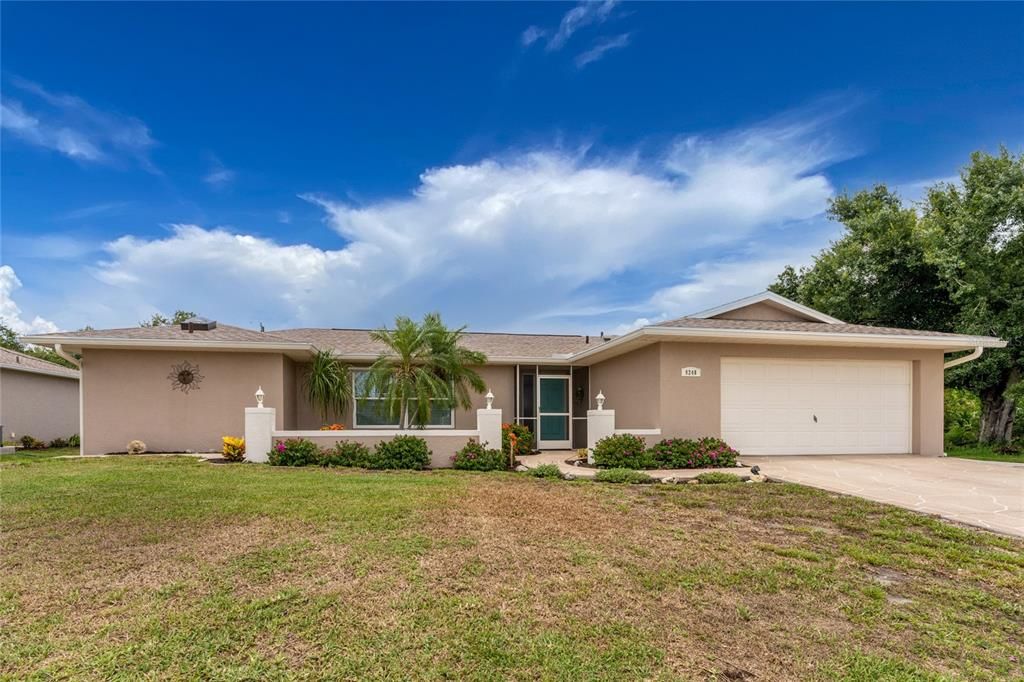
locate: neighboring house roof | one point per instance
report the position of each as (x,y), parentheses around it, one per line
(357,344)
(10,359)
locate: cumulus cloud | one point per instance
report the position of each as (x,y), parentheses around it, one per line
(507,242)
(71,126)
(600,48)
(10,312)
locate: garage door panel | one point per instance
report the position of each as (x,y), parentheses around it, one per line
(769,406)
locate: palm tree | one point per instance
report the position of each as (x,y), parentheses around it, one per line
(423,365)
(328,384)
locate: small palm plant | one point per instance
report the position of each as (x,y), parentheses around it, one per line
(328,384)
(423,365)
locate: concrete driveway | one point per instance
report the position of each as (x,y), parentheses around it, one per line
(985,494)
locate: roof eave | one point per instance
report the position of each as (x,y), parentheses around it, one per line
(76,344)
(646,335)
(69,374)
(767,296)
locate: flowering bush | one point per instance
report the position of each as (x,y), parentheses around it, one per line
(685,453)
(332,427)
(294,452)
(346,454)
(623,450)
(517,436)
(401,452)
(476,457)
(233,448)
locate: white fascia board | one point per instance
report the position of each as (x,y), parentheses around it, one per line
(767,296)
(171,344)
(801,338)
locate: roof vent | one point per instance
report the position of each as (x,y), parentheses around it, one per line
(198,324)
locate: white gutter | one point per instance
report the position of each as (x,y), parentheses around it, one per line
(824,338)
(973,355)
(59,350)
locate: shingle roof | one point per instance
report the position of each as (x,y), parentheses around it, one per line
(174,332)
(816,327)
(494,345)
(28,363)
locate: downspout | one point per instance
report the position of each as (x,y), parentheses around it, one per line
(973,355)
(59,350)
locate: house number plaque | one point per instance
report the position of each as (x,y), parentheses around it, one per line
(691,371)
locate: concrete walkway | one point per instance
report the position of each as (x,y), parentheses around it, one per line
(985,494)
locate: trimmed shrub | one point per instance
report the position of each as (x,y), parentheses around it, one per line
(523,438)
(546,471)
(684,453)
(294,452)
(623,451)
(401,452)
(475,457)
(620,475)
(74,441)
(30,443)
(59,443)
(718,477)
(135,447)
(233,448)
(346,454)
(961,436)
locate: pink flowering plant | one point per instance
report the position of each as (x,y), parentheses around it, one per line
(294,452)
(476,457)
(685,453)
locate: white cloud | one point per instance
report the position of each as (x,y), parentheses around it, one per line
(219,176)
(600,48)
(10,313)
(583,14)
(531,35)
(284,217)
(504,243)
(73,127)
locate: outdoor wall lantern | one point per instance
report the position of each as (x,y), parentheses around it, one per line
(259,396)
(490,399)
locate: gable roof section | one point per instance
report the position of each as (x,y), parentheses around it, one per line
(770,297)
(21,362)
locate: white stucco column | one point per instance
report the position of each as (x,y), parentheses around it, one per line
(488,423)
(259,432)
(600,424)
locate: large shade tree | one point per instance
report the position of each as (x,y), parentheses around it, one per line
(423,365)
(953,264)
(974,232)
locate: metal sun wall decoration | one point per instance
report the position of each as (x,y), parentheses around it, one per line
(185,377)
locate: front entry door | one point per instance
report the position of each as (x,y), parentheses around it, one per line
(553,412)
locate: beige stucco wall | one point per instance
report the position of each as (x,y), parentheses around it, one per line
(631,386)
(38,405)
(500,379)
(442,447)
(127,395)
(691,407)
(762,311)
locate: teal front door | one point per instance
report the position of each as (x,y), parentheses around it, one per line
(553,413)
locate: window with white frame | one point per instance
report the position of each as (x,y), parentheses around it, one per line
(371,409)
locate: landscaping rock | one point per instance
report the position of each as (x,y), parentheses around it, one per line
(569,477)
(521,468)
(692,481)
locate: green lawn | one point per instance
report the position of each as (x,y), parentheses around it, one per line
(984,452)
(170,568)
(35,455)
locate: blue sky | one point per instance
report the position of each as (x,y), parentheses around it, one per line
(521,166)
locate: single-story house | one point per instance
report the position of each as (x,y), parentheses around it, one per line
(768,375)
(37,398)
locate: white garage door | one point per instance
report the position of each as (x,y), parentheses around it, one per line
(828,407)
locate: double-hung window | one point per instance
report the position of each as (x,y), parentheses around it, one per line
(371,409)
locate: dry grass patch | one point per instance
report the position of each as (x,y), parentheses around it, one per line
(176,569)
